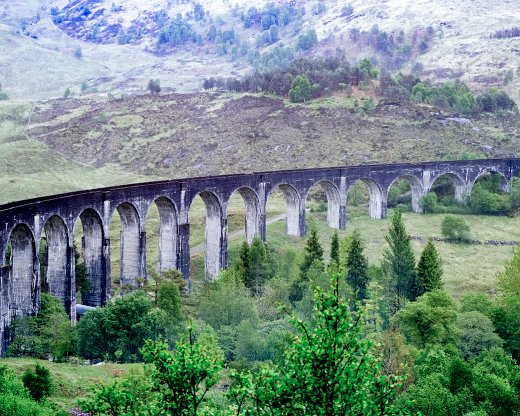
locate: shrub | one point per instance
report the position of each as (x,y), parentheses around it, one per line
(455,228)
(429,202)
(38,382)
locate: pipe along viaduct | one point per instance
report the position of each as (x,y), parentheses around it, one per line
(22,224)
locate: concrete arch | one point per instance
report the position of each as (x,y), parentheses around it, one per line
(214,250)
(333,202)
(130,267)
(504,186)
(92,248)
(24,268)
(168,233)
(57,259)
(293,213)
(375,205)
(458,183)
(416,188)
(252,216)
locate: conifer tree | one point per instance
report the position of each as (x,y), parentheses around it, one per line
(313,251)
(357,267)
(429,270)
(399,265)
(242,263)
(334,251)
(259,266)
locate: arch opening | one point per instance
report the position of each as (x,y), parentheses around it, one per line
(405,193)
(285,196)
(162,235)
(450,189)
(324,197)
(365,195)
(490,194)
(205,218)
(243,213)
(126,257)
(91,282)
(23,272)
(54,260)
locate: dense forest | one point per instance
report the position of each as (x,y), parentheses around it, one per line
(282,333)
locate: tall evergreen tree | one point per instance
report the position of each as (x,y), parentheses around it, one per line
(259,266)
(399,265)
(242,262)
(334,251)
(313,251)
(429,270)
(357,267)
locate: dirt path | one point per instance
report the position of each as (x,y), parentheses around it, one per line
(199,249)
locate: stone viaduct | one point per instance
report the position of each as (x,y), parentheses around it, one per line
(22,224)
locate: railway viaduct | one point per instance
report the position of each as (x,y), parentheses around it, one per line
(23,223)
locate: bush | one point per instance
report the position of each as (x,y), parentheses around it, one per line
(455,228)
(38,382)
(429,203)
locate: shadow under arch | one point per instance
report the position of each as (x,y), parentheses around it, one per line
(333,202)
(92,251)
(58,261)
(168,233)
(457,183)
(213,247)
(252,211)
(416,190)
(23,272)
(504,185)
(375,197)
(292,199)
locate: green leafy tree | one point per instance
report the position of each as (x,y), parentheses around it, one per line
(259,266)
(477,333)
(334,251)
(329,368)
(429,270)
(169,300)
(183,378)
(38,382)
(67,93)
(357,267)
(154,86)
(429,203)
(301,89)
(399,265)
(455,228)
(429,320)
(508,281)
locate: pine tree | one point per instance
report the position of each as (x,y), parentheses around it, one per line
(259,266)
(357,267)
(399,265)
(429,270)
(242,263)
(313,251)
(334,251)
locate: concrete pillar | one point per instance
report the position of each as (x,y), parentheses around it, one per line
(132,241)
(70,302)
(106,288)
(262,217)
(343,203)
(183,258)
(302,228)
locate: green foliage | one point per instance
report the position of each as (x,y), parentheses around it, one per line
(328,369)
(429,270)
(450,95)
(300,89)
(307,40)
(477,333)
(357,267)
(183,378)
(226,302)
(3,95)
(506,318)
(399,265)
(455,228)
(118,331)
(169,300)
(49,334)
(67,93)
(334,251)
(130,395)
(15,399)
(485,201)
(429,320)
(508,281)
(429,202)
(478,302)
(38,382)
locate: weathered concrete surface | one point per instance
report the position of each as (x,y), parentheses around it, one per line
(22,224)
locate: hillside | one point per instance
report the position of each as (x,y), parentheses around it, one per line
(122,44)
